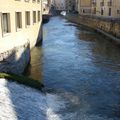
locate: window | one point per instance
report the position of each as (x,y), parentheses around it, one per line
(118,11)
(34,16)
(38,1)
(83,11)
(38,16)
(94,11)
(34,0)
(27,18)
(109,3)
(109,12)
(102,11)
(27,0)
(18,20)
(6,22)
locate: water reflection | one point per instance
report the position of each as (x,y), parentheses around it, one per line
(34,70)
(81,66)
(103,50)
(86,35)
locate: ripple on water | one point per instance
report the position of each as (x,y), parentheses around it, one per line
(86,66)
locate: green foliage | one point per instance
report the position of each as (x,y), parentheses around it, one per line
(23,80)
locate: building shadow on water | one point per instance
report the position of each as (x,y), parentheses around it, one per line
(104,88)
(35,69)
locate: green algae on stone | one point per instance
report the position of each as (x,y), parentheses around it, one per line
(23,80)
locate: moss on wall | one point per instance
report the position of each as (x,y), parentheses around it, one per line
(23,80)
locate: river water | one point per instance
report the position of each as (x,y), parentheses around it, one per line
(81,67)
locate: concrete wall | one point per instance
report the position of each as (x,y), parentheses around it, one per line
(15,60)
(107,27)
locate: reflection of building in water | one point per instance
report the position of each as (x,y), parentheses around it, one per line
(106,53)
(35,68)
(85,34)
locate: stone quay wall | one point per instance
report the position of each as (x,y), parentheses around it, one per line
(15,60)
(108,27)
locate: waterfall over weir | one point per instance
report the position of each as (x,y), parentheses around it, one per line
(18,102)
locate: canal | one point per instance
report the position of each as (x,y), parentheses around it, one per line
(80,66)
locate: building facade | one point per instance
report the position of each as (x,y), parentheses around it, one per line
(20,21)
(76,5)
(106,8)
(21,29)
(59,4)
(70,5)
(45,7)
(84,7)
(64,5)
(100,8)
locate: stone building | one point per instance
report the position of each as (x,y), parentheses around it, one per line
(45,7)
(21,26)
(106,8)
(64,5)
(100,8)
(84,7)
(70,5)
(20,21)
(76,5)
(59,4)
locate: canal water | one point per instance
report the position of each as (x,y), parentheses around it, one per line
(81,67)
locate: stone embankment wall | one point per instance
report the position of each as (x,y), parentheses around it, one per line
(15,60)
(110,28)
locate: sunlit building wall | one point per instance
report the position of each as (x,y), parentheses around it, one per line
(20,21)
(106,8)
(70,5)
(84,7)
(59,4)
